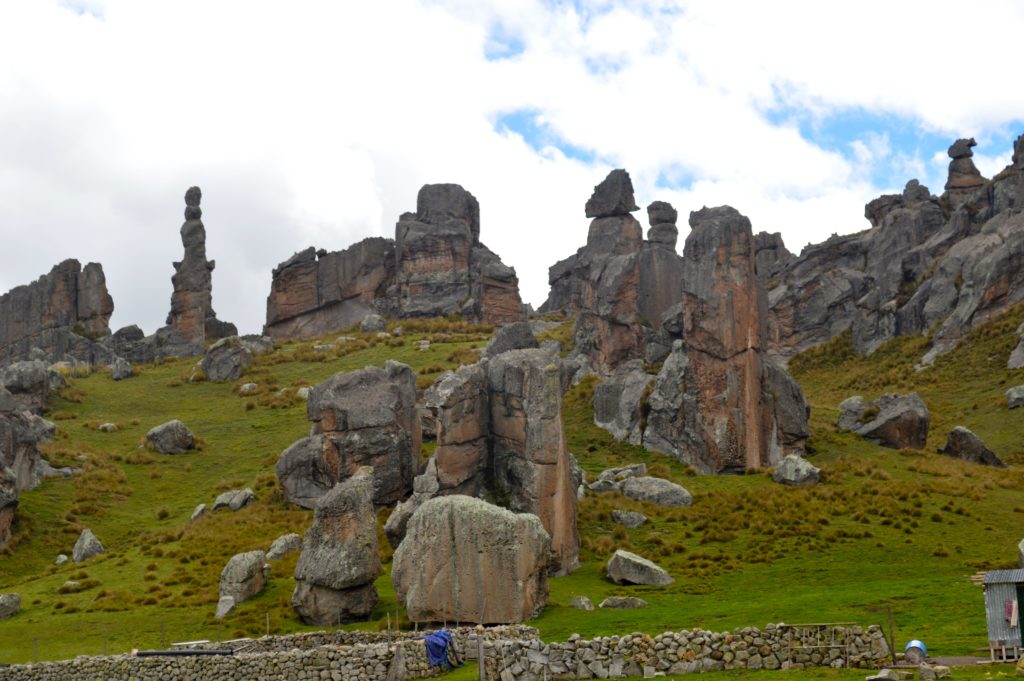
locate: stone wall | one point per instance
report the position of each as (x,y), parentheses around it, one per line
(774,647)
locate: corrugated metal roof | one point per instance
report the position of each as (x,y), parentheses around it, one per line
(1004,576)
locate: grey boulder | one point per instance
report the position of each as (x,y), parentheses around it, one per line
(303,473)
(235,499)
(795,470)
(86,547)
(656,491)
(896,421)
(628,519)
(284,545)
(10,604)
(515,336)
(581,603)
(625,567)
(172,437)
(120,369)
(964,444)
(623,602)
(372,323)
(198,513)
(226,359)
(243,577)
(1015,397)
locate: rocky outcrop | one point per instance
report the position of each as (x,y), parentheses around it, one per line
(896,421)
(515,336)
(946,263)
(8,502)
(466,560)
(192,320)
(29,384)
(244,576)
(340,560)
(963,444)
(621,400)
(618,285)
(460,401)
(63,314)
(770,256)
(360,418)
(86,547)
(625,567)
(435,266)
(628,519)
(226,359)
(172,437)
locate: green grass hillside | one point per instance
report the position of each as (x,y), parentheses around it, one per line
(885,529)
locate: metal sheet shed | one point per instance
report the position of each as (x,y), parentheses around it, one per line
(1003,587)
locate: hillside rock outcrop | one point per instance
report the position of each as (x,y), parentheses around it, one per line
(340,557)
(466,560)
(8,502)
(946,263)
(435,266)
(63,314)
(618,285)
(360,418)
(962,443)
(896,421)
(21,433)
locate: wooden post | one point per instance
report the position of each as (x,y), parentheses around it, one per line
(268,623)
(481,674)
(892,638)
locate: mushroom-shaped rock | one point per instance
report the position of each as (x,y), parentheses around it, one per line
(628,568)
(243,577)
(656,491)
(623,602)
(284,545)
(514,336)
(340,558)
(795,470)
(964,444)
(628,519)
(235,499)
(86,547)
(463,559)
(614,196)
(226,359)
(10,604)
(963,174)
(1015,397)
(172,437)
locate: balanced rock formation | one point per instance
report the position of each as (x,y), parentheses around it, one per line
(618,285)
(360,418)
(896,421)
(192,319)
(466,560)
(964,444)
(946,263)
(8,502)
(435,266)
(63,314)
(340,559)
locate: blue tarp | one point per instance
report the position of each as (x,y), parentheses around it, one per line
(438,646)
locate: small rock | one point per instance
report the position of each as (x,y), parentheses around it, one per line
(581,603)
(61,559)
(198,513)
(795,470)
(120,369)
(323,347)
(172,437)
(961,443)
(656,491)
(383,334)
(628,568)
(284,545)
(10,604)
(623,602)
(244,576)
(225,605)
(234,499)
(1015,397)
(86,547)
(628,519)
(925,672)
(884,675)
(373,322)
(303,392)
(108,428)
(248,389)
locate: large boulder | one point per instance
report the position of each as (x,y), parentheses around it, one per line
(613,197)
(621,402)
(360,418)
(172,437)
(459,399)
(234,499)
(628,568)
(531,462)
(243,577)
(340,557)
(8,502)
(283,545)
(86,546)
(30,382)
(897,421)
(120,369)
(226,359)
(515,336)
(656,491)
(964,444)
(373,323)
(795,470)
(466,560)
(1015,397)
(10,604)
(21,433)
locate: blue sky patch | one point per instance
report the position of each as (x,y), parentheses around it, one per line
(538,134)
(501,44)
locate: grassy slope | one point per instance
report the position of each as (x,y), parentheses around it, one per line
(885,529)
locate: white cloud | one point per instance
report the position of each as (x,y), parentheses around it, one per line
(315,123)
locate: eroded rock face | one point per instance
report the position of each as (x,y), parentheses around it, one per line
(461,403)
(226,359)
(340,559)
(466,560)
(896,421)
(532,468)
(243,576)
(435,266)
(62,313)
(964,444)
(8,502)
(192,314)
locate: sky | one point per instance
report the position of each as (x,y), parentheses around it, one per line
(314,123)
